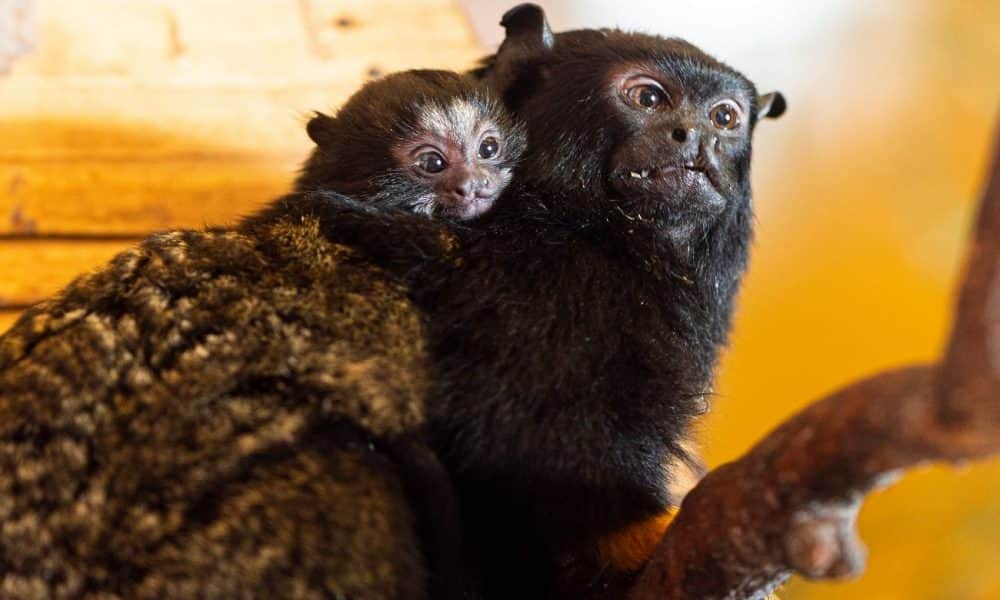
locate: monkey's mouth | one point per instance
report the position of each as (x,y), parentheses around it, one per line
(650,174)
(463,209)
(672,183)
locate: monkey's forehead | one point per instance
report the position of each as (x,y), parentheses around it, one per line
(462,118)
(673,57)
(587,53)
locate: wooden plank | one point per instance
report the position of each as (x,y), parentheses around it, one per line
(232,68)
(423,34)
(106,196)
(197,41)
(189,123)
(36,269)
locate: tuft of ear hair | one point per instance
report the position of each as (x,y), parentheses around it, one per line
(771,106)
(321,129)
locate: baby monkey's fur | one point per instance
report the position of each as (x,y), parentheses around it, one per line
(429,142)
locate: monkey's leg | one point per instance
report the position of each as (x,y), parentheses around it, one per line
(319,521)
(432,496)
(628,549)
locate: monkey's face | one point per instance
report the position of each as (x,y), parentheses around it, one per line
(428,141)
(682,148)
(459,156)
(646,127)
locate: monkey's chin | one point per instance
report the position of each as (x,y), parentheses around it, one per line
(466,210)
(669,195)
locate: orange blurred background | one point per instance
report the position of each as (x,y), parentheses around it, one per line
(865,193)
(125,117)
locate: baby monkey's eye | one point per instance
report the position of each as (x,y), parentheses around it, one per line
(489,147)
(725,115)
(431,162)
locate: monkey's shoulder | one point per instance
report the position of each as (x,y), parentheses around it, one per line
(199,362)
(203,323)
(182,285)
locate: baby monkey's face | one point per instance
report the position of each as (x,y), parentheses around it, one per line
(460,155)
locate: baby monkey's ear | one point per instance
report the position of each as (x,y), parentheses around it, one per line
(322,129)
(771,106)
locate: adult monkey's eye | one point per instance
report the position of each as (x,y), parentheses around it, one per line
(489,147)
(646,95)
(725,115)
(644,92)
(431,162)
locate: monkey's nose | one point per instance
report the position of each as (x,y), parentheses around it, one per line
(475,185)
(466,188)
(486,187)
(684,134)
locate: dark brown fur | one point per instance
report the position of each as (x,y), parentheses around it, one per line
(578,339)
(173,425)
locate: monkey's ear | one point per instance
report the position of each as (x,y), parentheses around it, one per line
(528,37)
(771,106)
(321,129)
(526,27)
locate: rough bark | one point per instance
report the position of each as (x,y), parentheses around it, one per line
(790,504)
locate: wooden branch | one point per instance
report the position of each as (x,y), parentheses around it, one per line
(790,504)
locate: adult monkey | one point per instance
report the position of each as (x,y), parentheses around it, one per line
(574,342)
(579,337)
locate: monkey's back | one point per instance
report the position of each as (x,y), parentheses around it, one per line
(193,420)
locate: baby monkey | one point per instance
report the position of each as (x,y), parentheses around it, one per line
(431,142)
